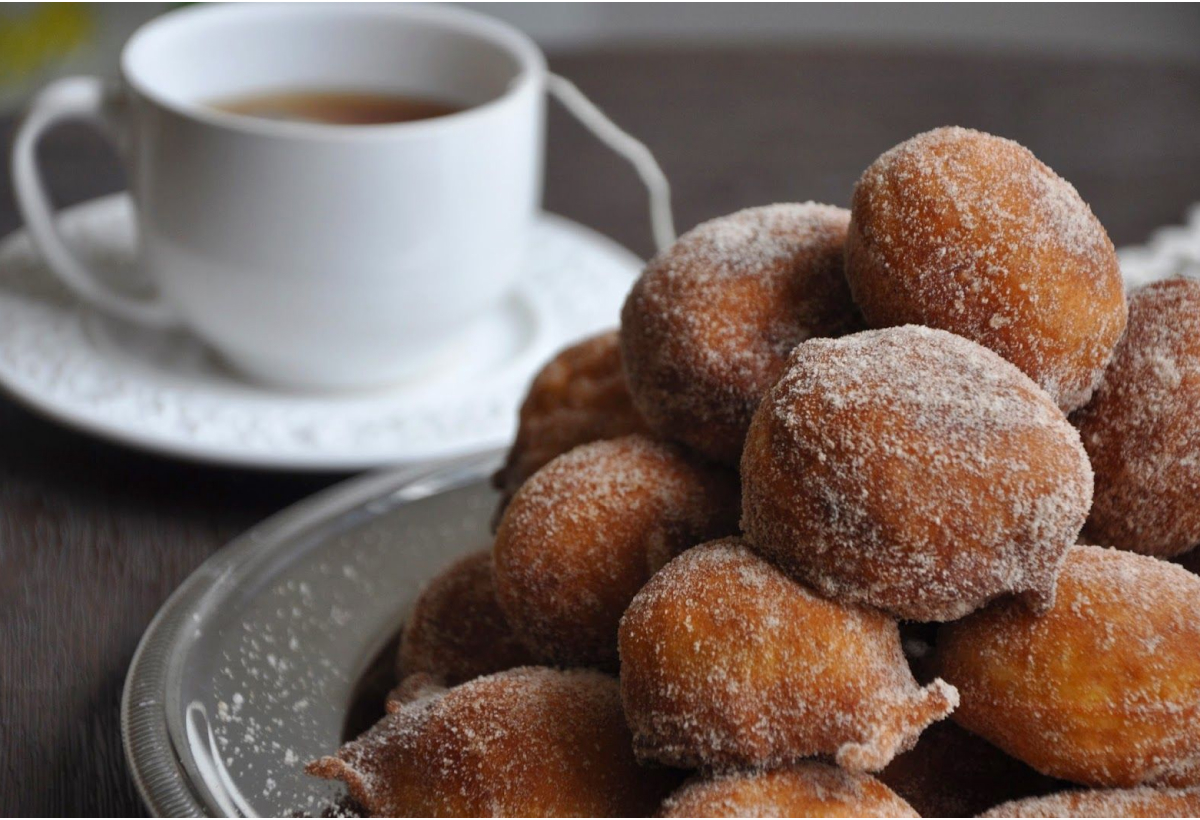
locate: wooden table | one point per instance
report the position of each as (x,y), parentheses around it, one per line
(93,536)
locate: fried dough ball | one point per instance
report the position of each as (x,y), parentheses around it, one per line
(953,773)
(1103,690)
(579,396)
(913,470)
(1140,802)
(1142,430)
(970,233)
(587,530)
(706,329)
(726,662)
(527,742)
(804,790)
(456,630)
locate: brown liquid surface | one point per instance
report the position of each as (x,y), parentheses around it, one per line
(335,107)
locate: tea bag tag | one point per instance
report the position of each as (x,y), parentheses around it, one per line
(638,155)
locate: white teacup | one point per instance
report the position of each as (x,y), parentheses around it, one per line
(311,255)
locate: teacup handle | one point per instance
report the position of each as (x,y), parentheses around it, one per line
(89,100)
(662,224)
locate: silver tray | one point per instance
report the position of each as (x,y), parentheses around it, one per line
(250,669)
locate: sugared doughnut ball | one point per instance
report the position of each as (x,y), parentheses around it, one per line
(1140,802)
(1104,689)
(1142,430)
(804,790)
(530,742)
(726,662)
(913,470)
(970,233)
(456,630)
(587,530)
(579,396)
(706,329)
(953,773)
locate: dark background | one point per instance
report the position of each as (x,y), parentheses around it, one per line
(93,537)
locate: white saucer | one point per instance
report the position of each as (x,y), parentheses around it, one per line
(164,391)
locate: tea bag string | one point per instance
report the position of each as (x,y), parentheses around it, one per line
(638,155)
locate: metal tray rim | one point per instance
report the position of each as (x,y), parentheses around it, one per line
(158,772)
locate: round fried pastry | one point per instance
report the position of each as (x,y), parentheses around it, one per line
(1144,801)
(1104,689)
(953,773)
(456,630)
(970,233)
(1142,429)
(578,396)
(726,662)
(706,329)
(913,470)
(587,530)
(527,742)
(807,789)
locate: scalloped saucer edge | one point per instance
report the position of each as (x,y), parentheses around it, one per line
(166,392)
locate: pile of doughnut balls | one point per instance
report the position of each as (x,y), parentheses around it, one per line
(859,513)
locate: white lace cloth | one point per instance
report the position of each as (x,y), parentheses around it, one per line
(1170,251)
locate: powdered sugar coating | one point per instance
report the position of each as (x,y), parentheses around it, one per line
(1140,802)
(913,470)
(456,630)
(587,530)
(806,789)
(726,662)
(526,742)
(969,232)
(579,396)
(1103,690)
(1142,430)
(706,329)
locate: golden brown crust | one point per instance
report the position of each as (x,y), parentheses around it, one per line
(913,470)
(1142,429)
(456,630)
(953,773)
(527,742)
(707,327)
(726,662)
(806,789)
(1140,802)
(1104,690)
(587,530)
(970,233)
(579,396)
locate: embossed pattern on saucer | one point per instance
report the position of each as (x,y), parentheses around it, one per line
(164,391)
